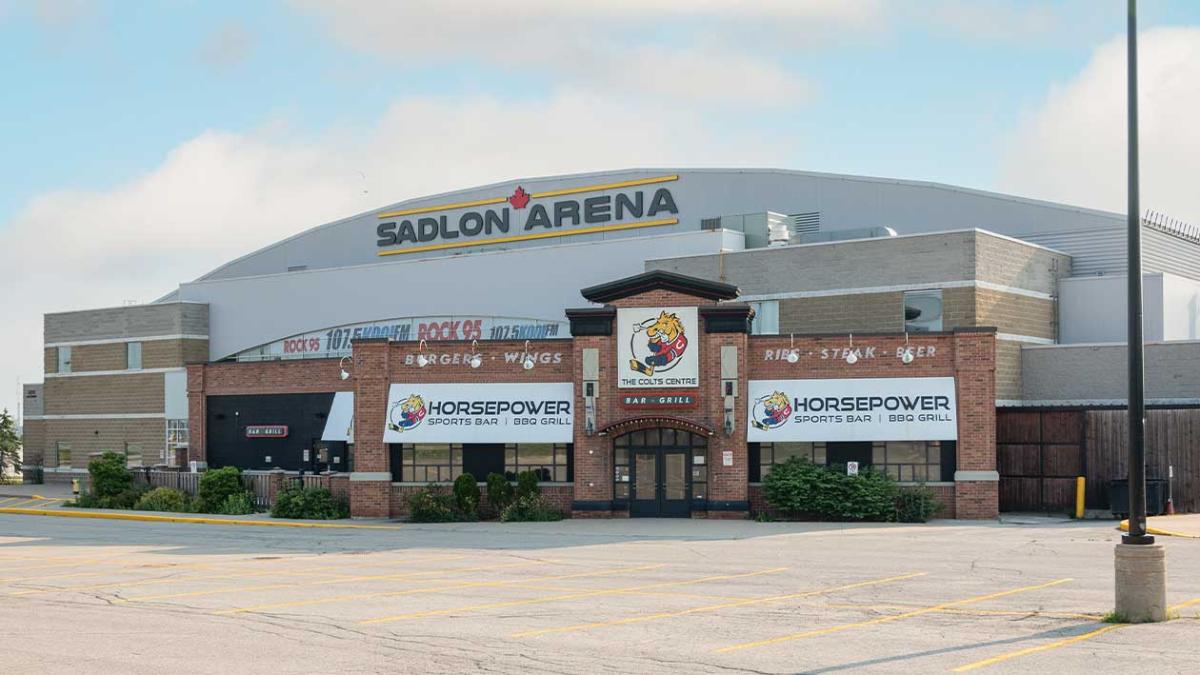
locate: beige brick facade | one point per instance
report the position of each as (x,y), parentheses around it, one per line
(862,312)
(89,437)
(98,394)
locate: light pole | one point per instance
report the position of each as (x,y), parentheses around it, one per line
(1141,585)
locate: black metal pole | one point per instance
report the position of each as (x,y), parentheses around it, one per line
(1137,393)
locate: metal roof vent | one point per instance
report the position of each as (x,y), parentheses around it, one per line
(805,223)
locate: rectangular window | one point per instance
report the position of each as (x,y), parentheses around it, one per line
(63,450)
(133,355)
(766,317)
(917,461)
(430,462)
(64,359)
(770,454)
(551,461)
(177,438)
(922,311)
(133,455)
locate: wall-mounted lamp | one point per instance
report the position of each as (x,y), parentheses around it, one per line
(851,357)
(906,356)
(793,355)
(527,361)
(476,359)
(422,360)
(343,374)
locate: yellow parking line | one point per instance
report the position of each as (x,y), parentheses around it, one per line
(560,598)
(21,503)
(1039,648)
(972,612)
(266,587)
(436,589)
(885,619)
(5,500)
(663,594)
(713,608)
(48,576)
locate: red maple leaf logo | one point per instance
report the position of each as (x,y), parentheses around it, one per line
(519,198)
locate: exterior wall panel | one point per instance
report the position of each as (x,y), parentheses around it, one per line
(105,394)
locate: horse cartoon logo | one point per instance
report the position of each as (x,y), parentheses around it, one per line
(665,344)
(407,414)
(771,411)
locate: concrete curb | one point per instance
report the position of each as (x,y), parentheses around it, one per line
(1124,527)
(63,513)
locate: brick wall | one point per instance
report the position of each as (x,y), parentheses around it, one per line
(98,394)
(101,435)
(874,312)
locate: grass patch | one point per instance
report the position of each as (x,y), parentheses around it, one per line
(1115,617)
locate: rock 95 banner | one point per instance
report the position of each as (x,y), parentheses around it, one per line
(657,347)
(480,413)
(861,409)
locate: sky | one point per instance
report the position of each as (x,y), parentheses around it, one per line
(145,143)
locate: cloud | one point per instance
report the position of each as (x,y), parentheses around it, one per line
(1072,147)
(228,46)
(705,51)
(990,20)
(223,194)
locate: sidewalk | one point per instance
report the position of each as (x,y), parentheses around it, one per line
(57,490)
(1179,525)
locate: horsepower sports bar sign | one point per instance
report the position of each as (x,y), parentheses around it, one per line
(526,216)
(861,409)
(480,413)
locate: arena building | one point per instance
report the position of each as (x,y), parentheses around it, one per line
(300,355)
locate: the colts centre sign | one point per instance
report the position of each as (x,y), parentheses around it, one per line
(658,347)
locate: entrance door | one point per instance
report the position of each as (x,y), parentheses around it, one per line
(661,485)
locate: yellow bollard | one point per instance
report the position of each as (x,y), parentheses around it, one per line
(1080,484)
(75,487)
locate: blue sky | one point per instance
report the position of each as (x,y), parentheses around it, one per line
(138,135)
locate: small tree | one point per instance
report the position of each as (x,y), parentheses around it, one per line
(466,494)
(499,491)
(110,477)
(10,443)
(527,484)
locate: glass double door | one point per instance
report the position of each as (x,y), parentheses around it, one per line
(661,484)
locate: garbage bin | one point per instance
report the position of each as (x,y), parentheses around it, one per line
(1156,497)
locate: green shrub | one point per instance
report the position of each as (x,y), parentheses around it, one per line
(530,508)
(163,499)
(466,494)
(431,506)
(237,504)
(499,491)
(801,489)
(125,499)
(110,476)
(216,485)
(527,484)
(309,504)
(916,504)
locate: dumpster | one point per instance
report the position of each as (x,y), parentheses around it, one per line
(1156,497)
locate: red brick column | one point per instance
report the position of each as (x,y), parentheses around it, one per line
(197,414)
(593,454)
(371,480)
(728,486)
(976,481)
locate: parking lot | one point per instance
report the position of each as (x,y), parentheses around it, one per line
(579,596)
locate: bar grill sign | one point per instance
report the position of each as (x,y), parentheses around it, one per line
(859,409)
(266,431)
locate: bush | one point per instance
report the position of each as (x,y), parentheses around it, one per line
(237,504)
(527,484)
(916,504)
(466,493)
(110,477)
(309,504)
(530,508)
(499,491)
(163,499)
(216,486)
(125,499)
(802,489)
(431,506)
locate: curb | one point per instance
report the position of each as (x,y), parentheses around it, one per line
(62,513)
(1124,527)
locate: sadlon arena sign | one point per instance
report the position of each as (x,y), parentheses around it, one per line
(480,413)
(863,409)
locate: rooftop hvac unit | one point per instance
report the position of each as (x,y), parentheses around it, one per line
(805,223)
(778,230)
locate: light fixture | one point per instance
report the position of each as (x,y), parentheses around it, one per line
(343,374)
(906,356)
(422,360)
(476,358)
(527,361)
(851,357)
(793,355)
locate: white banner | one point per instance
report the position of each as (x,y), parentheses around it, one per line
(480,413)
(865,409)
(658,347)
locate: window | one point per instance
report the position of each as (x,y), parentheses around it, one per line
(770,454)
(64,359)
(551,461)
(133,355)
(909,460)
(177,438)
(133,455)
(63,450)
(766,317)
(922,311)
(429,463)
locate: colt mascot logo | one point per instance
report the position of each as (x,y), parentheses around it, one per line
(771,411)
(665,343)
(411,412)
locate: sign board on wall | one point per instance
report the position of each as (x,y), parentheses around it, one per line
(658,347)
(266,431)
(862,409)
(480,413)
